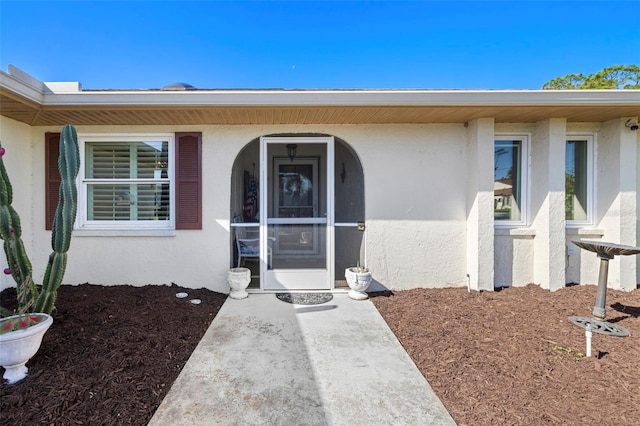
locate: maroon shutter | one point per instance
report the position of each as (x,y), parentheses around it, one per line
(51,176)
(189,180)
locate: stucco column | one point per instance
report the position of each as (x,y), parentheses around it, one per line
(617,181)
(548,147)
(480,233)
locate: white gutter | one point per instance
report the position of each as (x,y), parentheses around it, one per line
(291,98)
(348,98)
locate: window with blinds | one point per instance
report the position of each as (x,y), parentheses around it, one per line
(128,181)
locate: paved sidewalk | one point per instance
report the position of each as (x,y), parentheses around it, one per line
(267,362)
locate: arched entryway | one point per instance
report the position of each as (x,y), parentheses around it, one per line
(312,225)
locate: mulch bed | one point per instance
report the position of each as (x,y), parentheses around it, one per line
(504,357)
(512,357)
(110,356)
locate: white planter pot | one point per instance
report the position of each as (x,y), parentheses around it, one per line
(18,346)
(358,283)
(239,279)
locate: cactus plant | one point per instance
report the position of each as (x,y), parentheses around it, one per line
(33,298)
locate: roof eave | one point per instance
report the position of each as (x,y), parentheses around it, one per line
(251,98)
(32,90)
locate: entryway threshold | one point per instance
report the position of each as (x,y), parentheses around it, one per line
(266,362)
(332,291)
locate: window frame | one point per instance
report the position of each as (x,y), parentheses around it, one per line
(525,164)
(142,227)
(590,138)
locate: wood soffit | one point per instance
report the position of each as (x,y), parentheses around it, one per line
(27,111)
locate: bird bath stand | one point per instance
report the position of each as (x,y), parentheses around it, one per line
(606,252)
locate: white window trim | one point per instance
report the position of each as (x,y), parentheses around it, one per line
(84,227)
(591,179)
(525,160)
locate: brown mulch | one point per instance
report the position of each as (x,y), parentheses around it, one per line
(504,357)
(511,357)
(110,356)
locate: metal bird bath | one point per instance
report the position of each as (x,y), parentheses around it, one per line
(606,252)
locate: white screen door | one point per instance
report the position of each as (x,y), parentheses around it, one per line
(297,224)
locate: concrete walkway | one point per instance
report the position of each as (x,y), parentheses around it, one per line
(267,362)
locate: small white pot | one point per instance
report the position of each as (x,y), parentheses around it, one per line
(239,279)
(18,346)
(358,283)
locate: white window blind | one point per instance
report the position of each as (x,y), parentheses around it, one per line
(127,181)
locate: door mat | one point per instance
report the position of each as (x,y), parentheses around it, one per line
(305,298)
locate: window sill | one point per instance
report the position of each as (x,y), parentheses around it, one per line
(124,232)
(585,232)
(515,232)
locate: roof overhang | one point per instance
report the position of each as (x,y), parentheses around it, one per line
(30,101)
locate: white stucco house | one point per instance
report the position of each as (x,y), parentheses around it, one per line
(427,188)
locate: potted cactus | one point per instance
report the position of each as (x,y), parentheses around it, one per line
(21,334)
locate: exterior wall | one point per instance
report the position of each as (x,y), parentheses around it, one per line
(514,247)
(415,202)
(583,266)
(543,252)
(428,203)
(616,217)
(514,258)
(17,141)
(617,208)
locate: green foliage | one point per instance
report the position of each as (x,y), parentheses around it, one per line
(570,190)
(31,297)
(614,77)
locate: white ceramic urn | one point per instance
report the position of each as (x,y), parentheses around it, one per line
(358,281)
(239,279)
(18,346)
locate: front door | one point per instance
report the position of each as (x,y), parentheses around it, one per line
(297,225)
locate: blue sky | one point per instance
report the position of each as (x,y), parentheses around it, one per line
(303,44)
